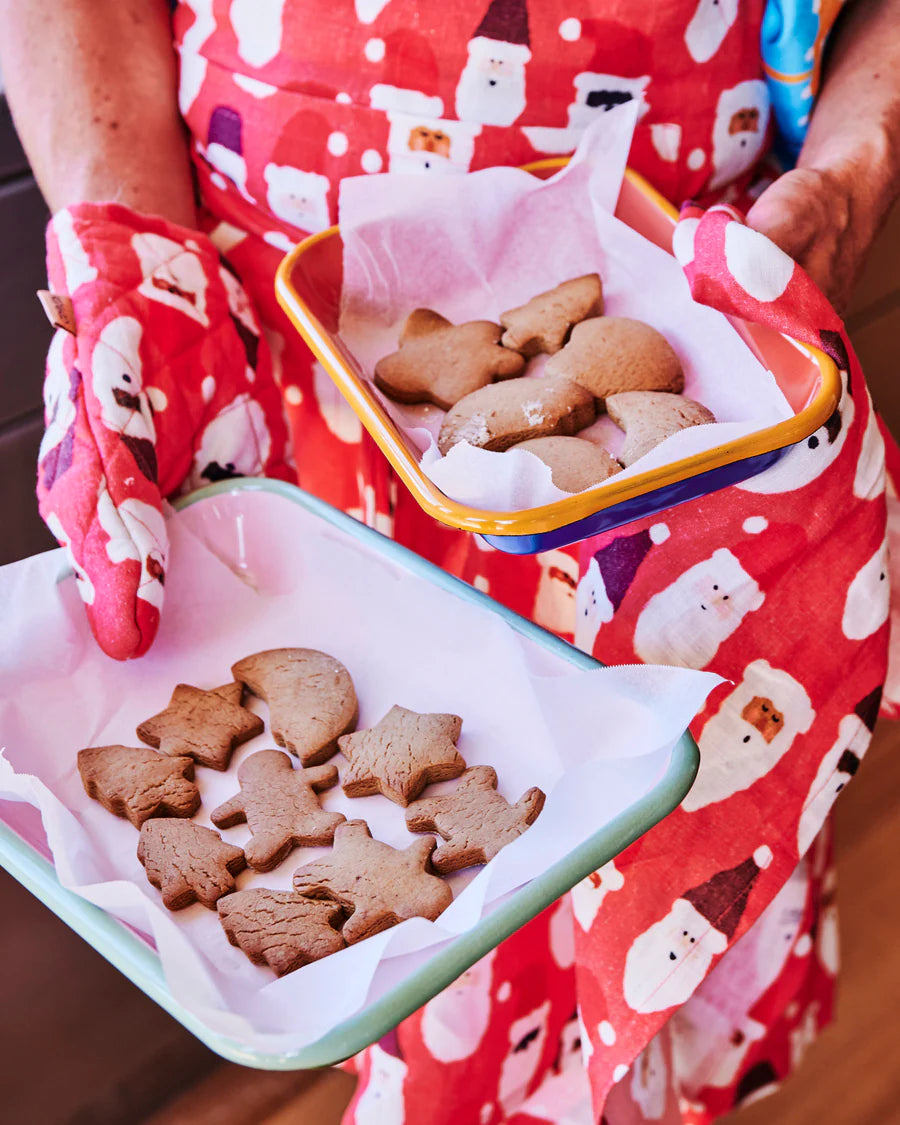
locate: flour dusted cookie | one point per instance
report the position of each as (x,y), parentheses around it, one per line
(474,819)
(310,695)
(281,929)
(402,754)
(504,414)
(609,354)
(440,362)
(280,806)
(137,783)
(650,417)
(544,324)
(188,863)
(204,725)
(378,884)
(573,462)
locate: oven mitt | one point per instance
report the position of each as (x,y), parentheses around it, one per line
(740,272)
(160,383)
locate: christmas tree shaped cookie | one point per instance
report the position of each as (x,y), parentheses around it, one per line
(281,929)
(402,754)
(310,695)
(137,783)
(188,863)
(205,725)
(280,805)
(474,819)
(544,324)
(378,884)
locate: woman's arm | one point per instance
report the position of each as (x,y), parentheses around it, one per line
(92,86)
(826,212)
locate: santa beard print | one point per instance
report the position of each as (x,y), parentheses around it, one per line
(236,443)
(739,131)
(686,622)
(258,29)
(835,770)
(527,1037)
(649,1080)
(709,25)
(868,598)
(118,386)
(299,198)
(595,94)
(173,274)
(554,604)
(454,1021)
(136,531)
(491,89)
(588,895)
(749,734)
(381,1102)
(710,1045)
(420,145)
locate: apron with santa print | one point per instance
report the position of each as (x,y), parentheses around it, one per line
(774,584)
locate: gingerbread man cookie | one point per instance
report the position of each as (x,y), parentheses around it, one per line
(474,819)
(280,805)
(440,362)
(544,323)
(380,885)
(402,754)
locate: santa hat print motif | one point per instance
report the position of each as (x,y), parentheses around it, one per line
(668,961)
(224,147)
(491,89)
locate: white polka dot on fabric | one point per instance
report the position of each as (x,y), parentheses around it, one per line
(792,1009)
(279,240)
(620,1072)
(487,1112)
(753,525)
(158,399)
(804,945)
(374,50)
(338,144)
(607,1032)
(219,180)
(570,29)
(756,264)
(505,990)
(293,395)
(343,98)
(696,159)
(481,583)
(208,388)
(683,240)
(371,160)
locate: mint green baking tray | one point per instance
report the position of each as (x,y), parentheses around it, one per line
(23,850)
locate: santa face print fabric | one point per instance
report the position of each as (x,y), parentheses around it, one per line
(779,584)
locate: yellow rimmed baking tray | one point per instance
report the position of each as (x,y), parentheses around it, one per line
(308,287)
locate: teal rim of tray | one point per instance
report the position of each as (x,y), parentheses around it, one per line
(139,962)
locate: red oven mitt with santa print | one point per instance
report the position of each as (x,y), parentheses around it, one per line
(165,385)
(740,272)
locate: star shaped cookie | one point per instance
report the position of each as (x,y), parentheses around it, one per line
(204,725)
(280,929)
(380,885)
(440,362)
(474,819)
(280,805)
(402,754)
(188,863)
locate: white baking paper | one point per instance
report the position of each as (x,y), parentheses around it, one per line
(252,570)
(473,246)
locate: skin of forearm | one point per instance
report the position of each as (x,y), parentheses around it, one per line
(92,86)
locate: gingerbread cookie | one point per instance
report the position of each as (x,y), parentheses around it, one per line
(280,805)
(440,362)
(378,884)
(188,863)
(474,819)
(505,414)
(402,754)
(310,695)
(137,783)
(649,417)
(280,929)
(204,725)
(544,324)
(574,463)
(610,354)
